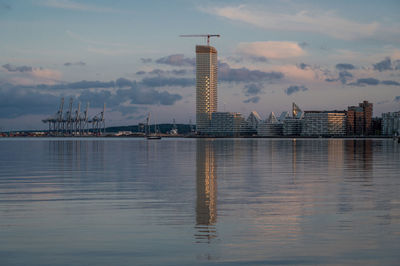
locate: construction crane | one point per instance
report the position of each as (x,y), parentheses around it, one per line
(202,35)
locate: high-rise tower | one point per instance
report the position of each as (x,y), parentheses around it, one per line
(206,86)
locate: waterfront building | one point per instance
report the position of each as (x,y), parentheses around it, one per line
(292,126)
(296,111)
(324,123)
(359,119)
(227,124)
(376,126)
(391,124)
(206,86)
(254,120)
(284,115)
(271,127)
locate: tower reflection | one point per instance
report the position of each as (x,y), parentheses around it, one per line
(206,186)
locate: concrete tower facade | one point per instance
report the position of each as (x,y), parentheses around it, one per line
(206,86)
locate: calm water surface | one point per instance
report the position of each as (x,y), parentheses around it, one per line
(197,201)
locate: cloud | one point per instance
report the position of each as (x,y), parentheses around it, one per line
(343,66)
(383,65)
(157,71)
(382,102)
(271,49)
(343,77)
(123,82)
(303,44)
(367,81)
(160,81)
(228,74)
(252,89)
(12,68)
(139,95)
(254,99)
(20,100)
(129,110)
(17,102)
(374,82)
(303,66)
(84,84)
(177,72)
(295,89)
(331,80)
(70,5)
(397,99)
(80,63)
(146,60)
(396,65)
(27,75)
(225,73)
(151,82)
(258,59)
(176,60)
(390,82)
(321,22)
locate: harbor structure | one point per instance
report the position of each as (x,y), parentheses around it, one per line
(75,123)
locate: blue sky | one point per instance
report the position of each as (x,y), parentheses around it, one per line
(128,54)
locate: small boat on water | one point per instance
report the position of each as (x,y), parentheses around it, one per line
(153,137)
(149,135)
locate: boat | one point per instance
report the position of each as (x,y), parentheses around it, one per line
(153,137)
(150,135)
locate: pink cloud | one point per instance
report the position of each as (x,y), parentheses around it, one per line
(271,49)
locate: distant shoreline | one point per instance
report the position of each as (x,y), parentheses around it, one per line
(214,137)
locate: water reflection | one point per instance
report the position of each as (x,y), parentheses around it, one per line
(206,187)
(359,154)
(75,154)
(280,201)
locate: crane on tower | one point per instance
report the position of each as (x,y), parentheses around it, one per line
(208,36)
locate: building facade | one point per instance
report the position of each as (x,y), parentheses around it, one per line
(271,127)
(254,120)
(359,119)
(324,123)
(292,126)
(391,124)
(227,124)
(206,86)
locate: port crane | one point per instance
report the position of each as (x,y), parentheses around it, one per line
(208,36)
(71,123)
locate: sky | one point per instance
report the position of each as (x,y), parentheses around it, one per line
(322,55)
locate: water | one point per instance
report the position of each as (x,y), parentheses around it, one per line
(197,201)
